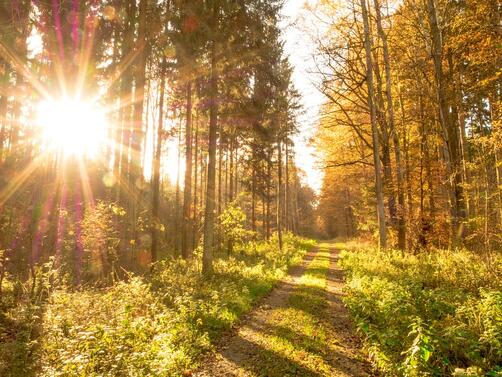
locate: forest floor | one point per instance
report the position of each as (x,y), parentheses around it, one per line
(301,328)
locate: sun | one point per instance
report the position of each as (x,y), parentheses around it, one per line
(72,126)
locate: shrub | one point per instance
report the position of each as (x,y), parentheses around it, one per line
(100,238)
(231,226)
(432,314)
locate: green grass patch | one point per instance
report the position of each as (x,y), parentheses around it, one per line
(155,326)
(432,314)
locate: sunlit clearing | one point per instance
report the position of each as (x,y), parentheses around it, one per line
(73,127)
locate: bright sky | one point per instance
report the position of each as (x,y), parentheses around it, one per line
(300,49)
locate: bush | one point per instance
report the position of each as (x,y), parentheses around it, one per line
(432,314)
(231,227)
(100,238)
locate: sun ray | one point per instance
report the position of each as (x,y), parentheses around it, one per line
(23,69)
(85,181)
(17,181)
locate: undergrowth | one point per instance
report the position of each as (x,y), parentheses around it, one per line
(432,314)
(145,326)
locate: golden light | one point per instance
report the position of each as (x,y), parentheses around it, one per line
(74,127)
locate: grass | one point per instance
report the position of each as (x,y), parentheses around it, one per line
(432,314)
(297,333)
(155,326)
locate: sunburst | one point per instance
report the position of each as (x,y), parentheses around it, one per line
(72,126)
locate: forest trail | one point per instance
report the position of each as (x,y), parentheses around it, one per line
(301,329)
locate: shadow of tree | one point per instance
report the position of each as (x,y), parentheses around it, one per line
(265,362)
(258,289)
(277,342)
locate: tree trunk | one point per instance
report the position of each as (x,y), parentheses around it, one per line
(286,190)
(220,172)
(279,193)
(231,170)
(186,236)
(156,171)
(267,194)
(207,256)
(139,71)
(123,136)
(401,225)
(177,238)
(388,181)
(253,192)
(450,131)
(374,130)
(195,174)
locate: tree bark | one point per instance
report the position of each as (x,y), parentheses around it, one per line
(156,171)
(123,136)
(186,251)
(220,172)
(374,129)
(267,194)
(286,190)
(401,225)
(279,193)
(450,131)
(253,192)
(177,238)
(195,180)
(207,256)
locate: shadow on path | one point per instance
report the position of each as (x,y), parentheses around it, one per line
(301,329)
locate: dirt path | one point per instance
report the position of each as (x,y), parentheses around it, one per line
(300,329)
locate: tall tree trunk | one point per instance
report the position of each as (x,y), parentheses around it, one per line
(253,191)
(156,171)
(123,136)
(267,193)
(225,196)
(450,131)
(263,216)
(231,169)
(286,190)
(497,149)
(374,129)
(195,173)
(3,111)
(279,193)
(401,225)
(186,251)
(201,182)
(407,170)
(139,70)
(207,256)
(237,186)
(230,245)
(220,172)
(388,180)
(178,232)
(296,211)
(459,117)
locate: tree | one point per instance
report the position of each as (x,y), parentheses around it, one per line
(374,130)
